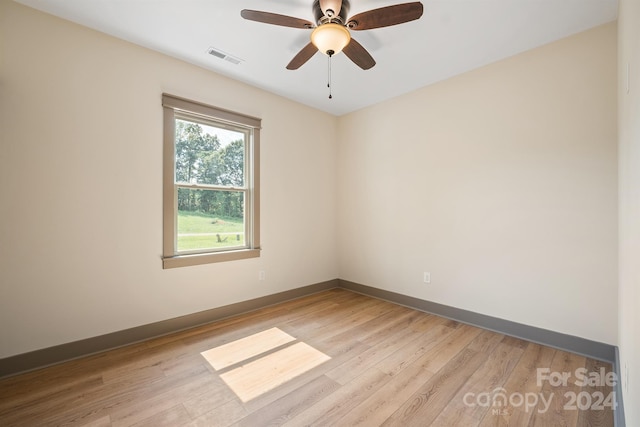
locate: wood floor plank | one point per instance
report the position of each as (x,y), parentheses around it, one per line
(334,344)
(523,380)
(602,410)
(42,397)
(174,416)
(386,365)
(100,422)
(331,410)
(555,413)
(413,350)
(374,354)
(378,407)
(292,404)
(424,406)
(214,396)
(133,373)
(410,321)
(377,328)
(220,416)
(409,378)
(163,396)
(346,319)
(452,344)
(465,408)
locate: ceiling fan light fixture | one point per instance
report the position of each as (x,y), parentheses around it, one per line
(330,38)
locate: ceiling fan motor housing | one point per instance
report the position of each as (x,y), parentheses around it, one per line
(321,18)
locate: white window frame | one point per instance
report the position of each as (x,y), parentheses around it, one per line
(180,108)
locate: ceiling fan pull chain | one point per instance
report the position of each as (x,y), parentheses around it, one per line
(329,72)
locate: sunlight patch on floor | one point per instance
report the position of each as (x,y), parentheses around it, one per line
(245,348)
(261,374)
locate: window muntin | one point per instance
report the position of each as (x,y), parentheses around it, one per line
(211,190)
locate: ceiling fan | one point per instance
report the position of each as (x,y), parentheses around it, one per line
(331,33)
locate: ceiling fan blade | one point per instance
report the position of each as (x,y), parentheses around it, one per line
(276,19)
(386,16)
(302,57)
(333,5)
(359,55)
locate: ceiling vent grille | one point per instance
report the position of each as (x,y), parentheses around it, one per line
(223,55)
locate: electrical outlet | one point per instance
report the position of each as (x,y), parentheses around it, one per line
(262,275)
(427,277)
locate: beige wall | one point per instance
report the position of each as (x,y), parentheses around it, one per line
(81,193)
(500,182)
(629,165)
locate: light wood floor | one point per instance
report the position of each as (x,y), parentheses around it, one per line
(331,359)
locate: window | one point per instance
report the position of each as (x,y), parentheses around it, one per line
(211,184)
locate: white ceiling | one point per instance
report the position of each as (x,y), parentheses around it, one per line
(453,36)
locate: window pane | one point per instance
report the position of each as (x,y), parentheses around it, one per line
(210,219)
(211,184)
(209,155)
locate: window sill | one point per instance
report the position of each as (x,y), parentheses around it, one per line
(209,258)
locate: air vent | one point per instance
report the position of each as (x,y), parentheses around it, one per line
(223,55)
